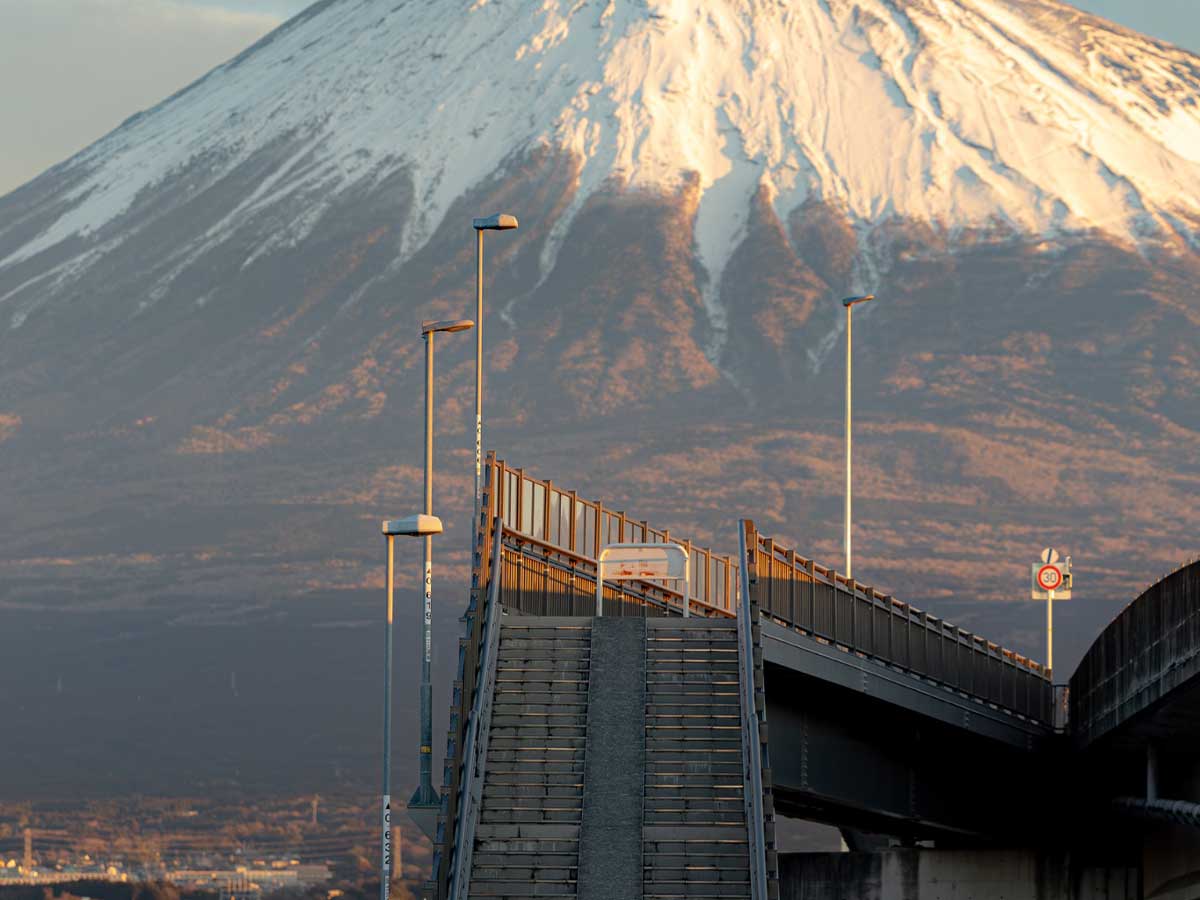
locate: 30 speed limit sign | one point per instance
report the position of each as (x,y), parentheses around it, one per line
(1049,577)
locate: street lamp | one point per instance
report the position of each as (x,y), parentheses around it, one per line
(850,303)
(426,797)
(423,806)
(419,525)
(498,222)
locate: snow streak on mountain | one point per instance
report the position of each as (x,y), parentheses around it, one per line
(1026,115)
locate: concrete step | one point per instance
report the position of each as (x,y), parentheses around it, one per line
(542,792)
(527,836)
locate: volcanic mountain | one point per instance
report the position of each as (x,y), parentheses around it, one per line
(210,368)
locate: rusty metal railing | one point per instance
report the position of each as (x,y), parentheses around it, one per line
(569,526)
(817,601)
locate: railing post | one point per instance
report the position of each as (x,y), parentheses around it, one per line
(693,566)
(850,587)
(573,515)
(520,504)
(598,539)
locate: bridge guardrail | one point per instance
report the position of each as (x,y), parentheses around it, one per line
(573,526)
(820,602)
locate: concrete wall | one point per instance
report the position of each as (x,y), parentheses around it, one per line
(949,875)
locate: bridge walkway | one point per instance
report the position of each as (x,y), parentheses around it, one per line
(612,762)
(534,560)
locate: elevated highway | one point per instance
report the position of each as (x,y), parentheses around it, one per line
(1135,727)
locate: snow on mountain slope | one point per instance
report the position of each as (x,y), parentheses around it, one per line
(1024,114)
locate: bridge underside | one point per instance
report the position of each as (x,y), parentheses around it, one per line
(853,760)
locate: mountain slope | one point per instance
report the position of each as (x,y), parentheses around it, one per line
(210,369)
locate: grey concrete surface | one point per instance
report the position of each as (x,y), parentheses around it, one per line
(610,840)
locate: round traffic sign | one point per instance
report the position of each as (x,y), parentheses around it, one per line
(1049,578)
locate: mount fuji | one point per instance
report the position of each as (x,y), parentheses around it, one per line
(210,365)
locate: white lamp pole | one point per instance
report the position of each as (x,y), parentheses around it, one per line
(425,796)
(413,526)
(498,222)
(850,303)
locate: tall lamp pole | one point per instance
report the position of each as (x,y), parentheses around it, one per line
(414,526)
(850,303)
(423,806)
(425,796)
(498,222)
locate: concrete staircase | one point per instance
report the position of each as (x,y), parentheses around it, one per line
(614,762)
(694,817)
(527,839)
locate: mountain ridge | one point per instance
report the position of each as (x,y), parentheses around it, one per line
(213,391)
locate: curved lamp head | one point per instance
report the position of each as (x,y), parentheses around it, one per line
(419,525)
(450,326)
(851,301)
(498,222)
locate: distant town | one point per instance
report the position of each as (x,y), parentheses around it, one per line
(230,848)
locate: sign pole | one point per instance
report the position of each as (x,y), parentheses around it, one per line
(1050,634)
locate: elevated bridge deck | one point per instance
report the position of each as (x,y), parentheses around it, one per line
(817,646)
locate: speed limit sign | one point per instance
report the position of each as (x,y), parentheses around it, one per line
(1049,578)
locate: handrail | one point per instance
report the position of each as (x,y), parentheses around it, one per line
(541,511)
(751,747)
(474,757)
(833,579)
(819,602)
(715,611)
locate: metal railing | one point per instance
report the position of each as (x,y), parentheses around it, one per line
(557,536)
(1152,646)
(469,800)
(817,601)
(752,748)
(576,528)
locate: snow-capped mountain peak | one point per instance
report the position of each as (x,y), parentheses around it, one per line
(959,113)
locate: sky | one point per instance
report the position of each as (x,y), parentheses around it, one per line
(84,66)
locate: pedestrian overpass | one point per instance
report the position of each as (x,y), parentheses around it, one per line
(646,753)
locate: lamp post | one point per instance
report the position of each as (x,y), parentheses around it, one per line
(498,222)
(426,799)
(424,804)
(850,303)
(412,526)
